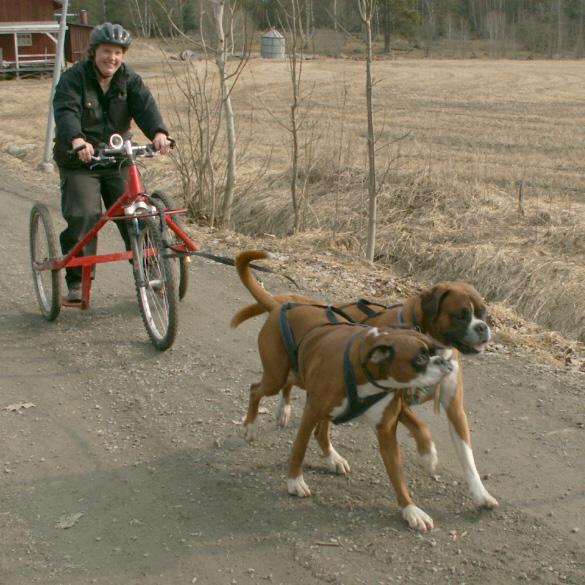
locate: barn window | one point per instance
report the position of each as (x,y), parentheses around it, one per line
(24,40)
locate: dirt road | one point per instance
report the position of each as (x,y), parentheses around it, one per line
(141,454)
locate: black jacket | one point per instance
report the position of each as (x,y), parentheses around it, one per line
(82,109)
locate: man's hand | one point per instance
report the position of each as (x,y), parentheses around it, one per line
(86,152)
(161,142)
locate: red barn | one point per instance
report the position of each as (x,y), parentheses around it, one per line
(28,36)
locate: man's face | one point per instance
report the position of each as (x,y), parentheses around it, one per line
(108,59)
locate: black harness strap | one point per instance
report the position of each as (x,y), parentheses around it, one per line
(288,337)
(356,406)
(332,311)
(286,331)
(364,306)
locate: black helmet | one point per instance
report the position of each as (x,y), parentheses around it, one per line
(111,34)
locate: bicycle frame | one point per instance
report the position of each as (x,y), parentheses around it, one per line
(134,193)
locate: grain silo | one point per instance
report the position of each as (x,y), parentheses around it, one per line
(273,45)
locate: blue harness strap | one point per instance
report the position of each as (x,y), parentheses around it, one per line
(356,406)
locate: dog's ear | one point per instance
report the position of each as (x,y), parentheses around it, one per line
(380,354)
(431,300)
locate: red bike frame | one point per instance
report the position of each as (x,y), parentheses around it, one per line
(134,192)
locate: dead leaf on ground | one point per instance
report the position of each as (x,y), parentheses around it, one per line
(68,520)
(18,407)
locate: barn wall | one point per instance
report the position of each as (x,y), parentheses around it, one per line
(76,42)
(26,10)
(41,44)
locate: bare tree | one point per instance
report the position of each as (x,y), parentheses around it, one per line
(207,125)
(336,29)
(296,71)
(196,114)
(366,8)
(220,60)
(141,16)
(232,6)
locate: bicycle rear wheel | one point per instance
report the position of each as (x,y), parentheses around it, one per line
(163,201)
(43,247)
(155,285)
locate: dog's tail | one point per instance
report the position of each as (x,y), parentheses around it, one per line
(255,309)
(266,301)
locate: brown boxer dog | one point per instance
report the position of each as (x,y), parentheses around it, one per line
(348,371)
(453,314)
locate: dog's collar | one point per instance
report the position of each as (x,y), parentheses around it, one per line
(416,396)
(356,405)
(412,322)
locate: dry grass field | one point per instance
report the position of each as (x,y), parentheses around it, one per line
(455,140)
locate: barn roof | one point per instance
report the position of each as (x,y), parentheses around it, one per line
(29,27)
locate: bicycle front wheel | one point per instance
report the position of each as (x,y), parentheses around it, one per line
(163,201)
(155,285)
(43,248)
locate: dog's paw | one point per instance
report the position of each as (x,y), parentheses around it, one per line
(251,431)
(336,463)
(283,415)
(430,460)
(298,487)
(417,519)
(485,500)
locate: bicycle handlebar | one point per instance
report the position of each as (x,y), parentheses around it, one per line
(119,148)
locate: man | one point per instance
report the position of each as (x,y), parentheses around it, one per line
(97,97)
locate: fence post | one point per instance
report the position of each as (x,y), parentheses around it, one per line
(521,197)
(59,58)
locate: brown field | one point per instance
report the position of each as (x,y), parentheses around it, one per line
(455,138)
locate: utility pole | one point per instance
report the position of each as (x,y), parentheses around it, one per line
(59,59)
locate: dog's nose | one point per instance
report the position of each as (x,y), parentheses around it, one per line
(481,329)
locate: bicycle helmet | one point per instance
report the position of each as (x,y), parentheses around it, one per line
(110,34)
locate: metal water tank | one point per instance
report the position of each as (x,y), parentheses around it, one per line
(272,45)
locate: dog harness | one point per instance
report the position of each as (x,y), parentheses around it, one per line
(365,306)
(286,330)
(357,405)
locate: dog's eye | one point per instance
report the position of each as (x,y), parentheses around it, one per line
(463,315)
(421,360)
(481,312)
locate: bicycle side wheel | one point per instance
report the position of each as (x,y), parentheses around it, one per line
(155,286)
(163,201)
(43,247)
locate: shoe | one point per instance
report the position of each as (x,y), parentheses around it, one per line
(74,294)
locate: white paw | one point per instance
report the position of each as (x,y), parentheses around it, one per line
(298,487)
(283,415)
(430,460)
(251,431)
(485,500)
(336,463)
(417,519)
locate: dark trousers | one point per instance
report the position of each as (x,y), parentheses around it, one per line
(82,193)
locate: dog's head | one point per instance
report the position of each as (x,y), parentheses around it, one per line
(402,358)
(454,314)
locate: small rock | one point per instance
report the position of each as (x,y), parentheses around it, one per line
(20,150)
